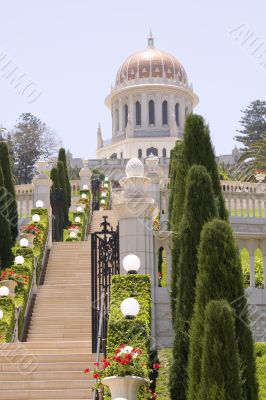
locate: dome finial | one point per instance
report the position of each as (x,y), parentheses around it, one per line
(150,40)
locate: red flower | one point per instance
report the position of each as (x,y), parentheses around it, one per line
(106,364)
(86,371)
(117,358)
(96,375)
(128,357)
(156,366)
(136,350)
(96,364)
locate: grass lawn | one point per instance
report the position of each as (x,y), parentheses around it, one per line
(165,357)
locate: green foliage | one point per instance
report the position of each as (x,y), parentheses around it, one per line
(220,371)
(253,123)
(5,233)
(7,322)
(136,332)
(54,178)
(63,185)
(220,278)
(260,349)
(259,278)
(62,157)
(9,185)
(199,208)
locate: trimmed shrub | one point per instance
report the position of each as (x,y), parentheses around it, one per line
(62,185)
(9,185)
(7,323)
(220,372)
(199,208)
(5,233)
(220,278)
(134,332)
(55,180)
(62,157)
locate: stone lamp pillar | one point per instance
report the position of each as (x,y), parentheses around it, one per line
(42,184)
(85,175)
(135,210)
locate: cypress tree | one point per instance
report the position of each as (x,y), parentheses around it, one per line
(62,157)
(9,185)
(5,233)
(200,207)
(196,148)
(62,185)
(220,277)
(54,178)
(220,371)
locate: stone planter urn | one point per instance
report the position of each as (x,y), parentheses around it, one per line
(124,387)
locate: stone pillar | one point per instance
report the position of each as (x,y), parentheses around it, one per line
(134,210)
(252,245)
(120,116)
(85,175)
(144,111)
(42,184)
(154,174)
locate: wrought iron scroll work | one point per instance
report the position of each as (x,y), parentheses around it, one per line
(104,264)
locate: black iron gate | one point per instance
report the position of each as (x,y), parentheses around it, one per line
(104,264)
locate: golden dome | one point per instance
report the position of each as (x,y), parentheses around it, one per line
(151,63)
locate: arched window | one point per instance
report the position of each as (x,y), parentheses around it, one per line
(139,153)
(165,112)
(126,114)
(138,113)
(152,150)
(177,114)
(164,153)
(113,156)
(151,113)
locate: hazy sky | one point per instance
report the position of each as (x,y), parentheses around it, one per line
(71,50)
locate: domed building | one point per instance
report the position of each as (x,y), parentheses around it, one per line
(149,103)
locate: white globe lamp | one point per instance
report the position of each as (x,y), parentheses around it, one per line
(131,263)
(103,194)
(105,185)
(39,204)
(36,218)
(1,314)
(19,260)
(85,187)
(102,201)
(130,308)
(4,291)
(77,220)
(79,209)
(106,179)
(72,235)
(83,196)
(24,242)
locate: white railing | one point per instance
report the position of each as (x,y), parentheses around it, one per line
(245,204)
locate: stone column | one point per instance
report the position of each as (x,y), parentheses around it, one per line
(120,116)
(144,111)
(252,245)
(41,185)
(85,175)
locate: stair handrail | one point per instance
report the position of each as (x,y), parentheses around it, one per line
(99,338)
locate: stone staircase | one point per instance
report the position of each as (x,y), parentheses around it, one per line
(50,364)
(97,219)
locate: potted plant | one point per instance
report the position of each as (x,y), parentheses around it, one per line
(124,372)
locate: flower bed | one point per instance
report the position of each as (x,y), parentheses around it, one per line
(79,227)
(23,274)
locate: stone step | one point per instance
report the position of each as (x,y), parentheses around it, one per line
(42,384)
(50,358)
(44,345)
(24,368)
(46,375)
(46,394)
(58,330)
(50,351)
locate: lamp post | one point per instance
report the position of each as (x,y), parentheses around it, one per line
(131,263)
(130,308)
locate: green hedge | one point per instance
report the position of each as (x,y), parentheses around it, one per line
(134,332)
(84,217)
(8,321)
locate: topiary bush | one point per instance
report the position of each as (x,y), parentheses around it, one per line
(7,323)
